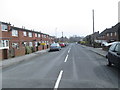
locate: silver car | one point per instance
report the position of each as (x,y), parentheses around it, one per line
(55,46)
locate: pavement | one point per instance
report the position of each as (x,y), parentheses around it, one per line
(16,60)
(98,51)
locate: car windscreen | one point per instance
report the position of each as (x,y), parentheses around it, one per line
(117,48)
(54,44)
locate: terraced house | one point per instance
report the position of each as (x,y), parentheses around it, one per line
(15,41)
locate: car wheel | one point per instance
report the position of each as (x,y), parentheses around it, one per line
(109,63)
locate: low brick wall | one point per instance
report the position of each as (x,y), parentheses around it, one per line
(105,48)
(40,48)
(20,52)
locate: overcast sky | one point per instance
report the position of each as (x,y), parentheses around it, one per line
(73,17)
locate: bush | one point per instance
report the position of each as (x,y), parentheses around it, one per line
(28,50)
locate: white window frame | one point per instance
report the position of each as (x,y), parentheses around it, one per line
(36,35)
(30,44)
(30,34)
(25,43)
(4,27)
(107,34)
(115,33)
(24,33)
(14,32)
(4,44)
(36,44)
(15,45)
(44,36)
(111,34)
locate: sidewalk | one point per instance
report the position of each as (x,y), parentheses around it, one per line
(96,50)
(16,60)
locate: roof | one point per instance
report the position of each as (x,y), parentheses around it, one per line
(23,29)
(5,23)
(110,30)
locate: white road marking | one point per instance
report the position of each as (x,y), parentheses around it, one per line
(58,80)
(69,50)
(66,58)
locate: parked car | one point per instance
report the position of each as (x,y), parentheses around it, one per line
(66,44)
(62,44)
(113,55)
(55,46)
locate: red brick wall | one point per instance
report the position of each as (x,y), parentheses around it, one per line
(20,51)
(40,47)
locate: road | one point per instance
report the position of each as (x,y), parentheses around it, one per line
(72,67)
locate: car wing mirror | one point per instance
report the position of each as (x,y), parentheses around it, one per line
(118,53)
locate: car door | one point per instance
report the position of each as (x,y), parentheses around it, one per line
(117,55)
(111,53)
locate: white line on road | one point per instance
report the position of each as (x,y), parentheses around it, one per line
(66,58)
(58,80)
(69,50)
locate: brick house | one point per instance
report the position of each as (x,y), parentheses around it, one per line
(89,38)
(14,41)
(110,34)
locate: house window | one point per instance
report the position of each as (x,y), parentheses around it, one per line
(36,44)
(4,27)
(25,33)
(30,44)
(44,36)
(111,34)
(24,43)
(38,35)
(107,34)
(115,34)
(41,35)
(14,32)
(15,45)
(40,41)
(35,34)
(30,34)
(4,43)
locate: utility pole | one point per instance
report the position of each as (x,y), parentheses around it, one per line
(62,36)
(93,28)
(118,32)
(118,21)
(56,34)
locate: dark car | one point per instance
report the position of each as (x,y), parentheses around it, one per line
(55,46)
(113,55)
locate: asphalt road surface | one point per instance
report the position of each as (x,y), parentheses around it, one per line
(72,67)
